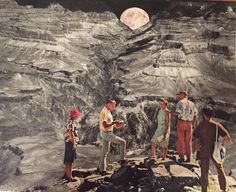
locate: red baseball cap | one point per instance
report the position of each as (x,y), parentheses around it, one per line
(74,113)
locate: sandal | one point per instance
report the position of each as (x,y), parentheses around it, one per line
(73,180)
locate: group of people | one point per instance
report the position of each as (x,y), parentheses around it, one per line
(186,113)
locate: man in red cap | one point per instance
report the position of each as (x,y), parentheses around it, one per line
(71,140)
(186,112)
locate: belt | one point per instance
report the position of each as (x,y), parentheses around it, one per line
(184,120)
(106,131)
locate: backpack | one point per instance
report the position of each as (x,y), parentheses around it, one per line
(219,149)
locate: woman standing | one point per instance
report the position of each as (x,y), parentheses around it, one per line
(162,133)
(71,140)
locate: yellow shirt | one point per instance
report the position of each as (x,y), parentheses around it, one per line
(105,115)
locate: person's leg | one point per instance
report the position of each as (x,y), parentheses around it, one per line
(122,143)
(67,170)
(164,153)
(204,164)
(70,170)
(104,153)
(221,174)
(153,150)
(188,140)
(180,139)
(118,140)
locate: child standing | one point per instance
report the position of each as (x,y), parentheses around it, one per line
(71,140)
(162,133)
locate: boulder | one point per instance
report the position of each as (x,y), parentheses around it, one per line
(183,176)
(162,176)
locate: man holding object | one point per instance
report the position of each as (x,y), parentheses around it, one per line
(106,125)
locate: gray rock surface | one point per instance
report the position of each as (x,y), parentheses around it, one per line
(57,54)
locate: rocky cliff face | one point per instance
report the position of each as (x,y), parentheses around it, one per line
(55,55)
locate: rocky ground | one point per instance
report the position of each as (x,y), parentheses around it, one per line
(40,170)
(146,175)
(57,54)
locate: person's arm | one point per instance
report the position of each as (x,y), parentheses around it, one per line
(194,122)
(179,109)
(119,124)
(174,113)
(73,140)
(168,118)
(103,118)
(195,117)
(76,135)
(224,133)
(196,134)
(107,125)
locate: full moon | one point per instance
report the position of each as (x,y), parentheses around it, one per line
(134,17)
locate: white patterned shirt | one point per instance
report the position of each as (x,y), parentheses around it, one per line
(186,109)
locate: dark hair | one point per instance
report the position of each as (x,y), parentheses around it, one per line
(111,101)
(208,111)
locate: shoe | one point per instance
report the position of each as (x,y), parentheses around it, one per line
(152,158)
(123,163)
(188,160)
(226,190)
(103,173)
(181,160)
(72,180)
(64,176)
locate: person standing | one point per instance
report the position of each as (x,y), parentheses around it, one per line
(71,140)
(205,135)
(186,112)
(162,133)
(106,125)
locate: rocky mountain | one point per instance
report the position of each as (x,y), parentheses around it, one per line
(59,54)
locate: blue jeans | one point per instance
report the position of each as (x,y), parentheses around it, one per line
(106,139)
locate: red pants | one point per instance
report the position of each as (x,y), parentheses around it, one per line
(184,138)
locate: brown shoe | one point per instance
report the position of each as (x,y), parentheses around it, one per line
(72,180)
(103,173)
(181,160)
(188,160)
(123,163)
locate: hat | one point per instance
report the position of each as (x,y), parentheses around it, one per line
(184,92)
(74,113)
